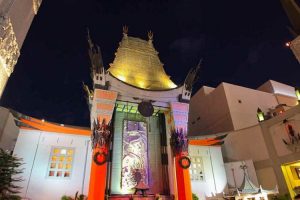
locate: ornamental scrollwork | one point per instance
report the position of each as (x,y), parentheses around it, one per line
(101,135)
(178,141)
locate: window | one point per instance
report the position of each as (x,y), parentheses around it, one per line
(196,169)
(61,162)
(297,169)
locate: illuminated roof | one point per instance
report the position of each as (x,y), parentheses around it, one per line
(36,124)
(137,63)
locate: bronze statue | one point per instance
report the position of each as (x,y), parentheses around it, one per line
(191,78)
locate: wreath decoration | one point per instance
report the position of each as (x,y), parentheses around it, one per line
(100,158)
(184,162)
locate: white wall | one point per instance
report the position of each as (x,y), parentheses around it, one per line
(215,181)
(278,131)
(209,112)
(277,88)
(243,103)
(284,94)
(230,107)
(245,144)
(235,175)
(35,147)
(8,130)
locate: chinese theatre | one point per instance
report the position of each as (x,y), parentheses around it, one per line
(139,125)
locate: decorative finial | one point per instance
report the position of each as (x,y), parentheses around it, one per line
(150,35)
(91,45)
(243,167)
(125,30)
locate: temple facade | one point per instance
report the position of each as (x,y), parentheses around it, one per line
(137,144)
(144,110)
(148,139)
(15,20)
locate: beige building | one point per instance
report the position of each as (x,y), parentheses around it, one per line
(15,19)
(272,148)
(230,107)
(272,145)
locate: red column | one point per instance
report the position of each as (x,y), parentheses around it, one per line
(180,117)
(102,108)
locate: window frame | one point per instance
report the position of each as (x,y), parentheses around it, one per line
(63,170)
(192,168)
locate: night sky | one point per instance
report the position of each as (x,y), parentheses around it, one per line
(241,42)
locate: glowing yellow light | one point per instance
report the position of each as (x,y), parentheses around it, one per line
(260,115)
(171,84)
(3,75)
(141,84)
(297,90)
(121,77)
(137,63)
(63,151)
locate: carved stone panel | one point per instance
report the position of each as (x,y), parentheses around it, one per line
(9,50)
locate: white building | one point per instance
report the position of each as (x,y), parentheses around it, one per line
(207,171)
(57,159)
(230,107)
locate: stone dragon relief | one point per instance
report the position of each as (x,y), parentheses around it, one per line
(9,49)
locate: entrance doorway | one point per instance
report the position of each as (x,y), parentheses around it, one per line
(291,172)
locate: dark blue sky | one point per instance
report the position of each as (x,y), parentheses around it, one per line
(241,42)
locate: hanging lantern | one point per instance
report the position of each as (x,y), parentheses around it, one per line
(297,90)
(260,115)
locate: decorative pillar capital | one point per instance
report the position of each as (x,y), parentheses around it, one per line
(9,49)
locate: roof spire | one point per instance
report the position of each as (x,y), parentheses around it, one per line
(95,55)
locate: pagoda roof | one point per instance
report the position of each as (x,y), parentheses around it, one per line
(137,63)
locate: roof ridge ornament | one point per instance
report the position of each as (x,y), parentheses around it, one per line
(150,36)
(125,31)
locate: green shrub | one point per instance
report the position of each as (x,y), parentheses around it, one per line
(282,197)
(9,176)
(195,197)
(77,197)
(65,198)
